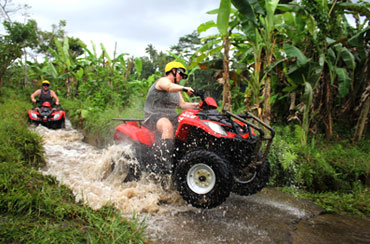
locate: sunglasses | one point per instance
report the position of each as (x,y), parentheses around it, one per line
(45,84)
(182,73)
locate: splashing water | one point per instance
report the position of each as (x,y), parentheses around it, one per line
(88,172)
(266,217)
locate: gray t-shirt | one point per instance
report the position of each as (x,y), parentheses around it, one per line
(161,102)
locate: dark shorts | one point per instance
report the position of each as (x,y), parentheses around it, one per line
(152,120)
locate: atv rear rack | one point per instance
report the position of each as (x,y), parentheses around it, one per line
(140,121)
(260,131)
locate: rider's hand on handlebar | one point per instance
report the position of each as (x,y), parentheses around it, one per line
(33,100)
(188,90)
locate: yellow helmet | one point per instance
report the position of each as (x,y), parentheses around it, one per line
(45,82)
(174,65)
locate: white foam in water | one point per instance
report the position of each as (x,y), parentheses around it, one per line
(87,171)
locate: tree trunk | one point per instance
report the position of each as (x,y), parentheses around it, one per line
(226,104)
(267,83)
(69,83)
(25,68)
(364,104)
(329,118)
(362,120)
(130,64)
(267,104)
(293,96)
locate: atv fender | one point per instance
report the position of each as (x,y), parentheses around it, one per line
(185,124)
(135,132)
(30,112)
(62,115)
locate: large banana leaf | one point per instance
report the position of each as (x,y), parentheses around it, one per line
(348,58)
(205,26)
(307,95)
(105,53)
(52,70)
(66,56)
(344,81)
(358,39)
(270,9)
(138,67)
(223,17)
(246,10)
(294,52)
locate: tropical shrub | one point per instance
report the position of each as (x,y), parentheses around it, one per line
(318,166)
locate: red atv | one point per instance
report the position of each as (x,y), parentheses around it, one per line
(215,153)
(45,115)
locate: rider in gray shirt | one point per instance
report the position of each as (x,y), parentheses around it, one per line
(160,106)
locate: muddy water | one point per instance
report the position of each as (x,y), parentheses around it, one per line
(267,217)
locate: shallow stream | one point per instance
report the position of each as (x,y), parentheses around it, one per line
(267,217)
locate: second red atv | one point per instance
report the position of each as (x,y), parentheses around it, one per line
(47,116)
(215,153)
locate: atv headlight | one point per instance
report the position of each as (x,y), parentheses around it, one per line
(216,127)
(56,116)
(34,115)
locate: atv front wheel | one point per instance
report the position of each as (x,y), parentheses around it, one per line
(63,124)
(203,179)
(251,181)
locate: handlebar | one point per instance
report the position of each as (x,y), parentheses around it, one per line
(196,92)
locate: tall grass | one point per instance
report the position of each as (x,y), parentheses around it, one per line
(34,208)
(95,123)
(323,171)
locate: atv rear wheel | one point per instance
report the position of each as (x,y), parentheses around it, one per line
(203,179)
(125,162)
(251,181)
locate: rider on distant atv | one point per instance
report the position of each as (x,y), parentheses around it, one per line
(45,94)
(160,108)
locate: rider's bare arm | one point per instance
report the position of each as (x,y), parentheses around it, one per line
(35,94)
(53,95)
(186,105)
(166,85)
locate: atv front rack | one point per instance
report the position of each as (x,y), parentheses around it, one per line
(261,132)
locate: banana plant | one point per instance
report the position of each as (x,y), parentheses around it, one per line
(251,32)
(63,66)
(330,65)
(259,33)
(214,45)
(223,27)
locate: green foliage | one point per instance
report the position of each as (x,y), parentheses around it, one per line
(223,17)
(245,9)
(47,41)
(19,36)
(356,202)
(23,35)
(97,125)
(19,145)
(36,209)
(317,167)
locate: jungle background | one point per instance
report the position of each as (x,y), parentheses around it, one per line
(302,66)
